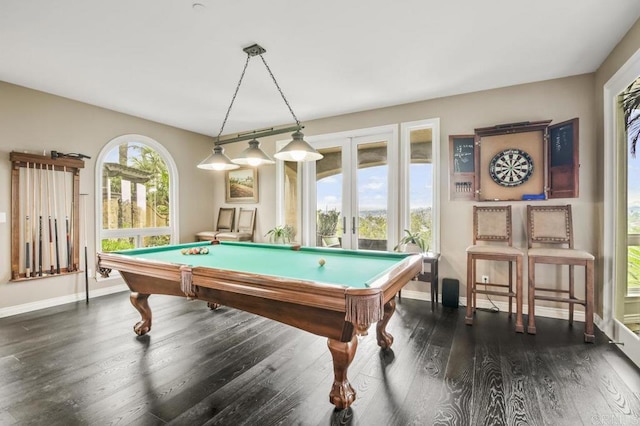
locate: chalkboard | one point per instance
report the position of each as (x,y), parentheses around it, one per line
(463,155)
(561,142)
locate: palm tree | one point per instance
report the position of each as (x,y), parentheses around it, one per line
(630,100)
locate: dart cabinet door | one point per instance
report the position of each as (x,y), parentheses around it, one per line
(564,160)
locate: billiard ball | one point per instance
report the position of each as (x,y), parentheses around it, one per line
(183,251)
(321,262)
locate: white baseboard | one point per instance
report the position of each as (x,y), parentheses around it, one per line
(543,311)
(409,294)
(56,301)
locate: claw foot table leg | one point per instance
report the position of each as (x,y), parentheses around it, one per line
(140,302)
(342,394)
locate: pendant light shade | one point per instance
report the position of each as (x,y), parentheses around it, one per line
(217,161)
(298,150)
(253,156)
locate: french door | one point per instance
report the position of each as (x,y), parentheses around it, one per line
(352,190)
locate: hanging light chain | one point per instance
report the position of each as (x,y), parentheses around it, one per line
(234,98)
(280,90)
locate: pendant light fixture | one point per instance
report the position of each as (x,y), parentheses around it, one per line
(296,150)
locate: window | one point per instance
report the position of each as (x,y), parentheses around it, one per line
(137,182)
(419,212)
(371,161)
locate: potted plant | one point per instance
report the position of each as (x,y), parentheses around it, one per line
(281,234)
(327,224)
(412,242)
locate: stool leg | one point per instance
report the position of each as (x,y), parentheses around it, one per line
(468,319)
(510,288)
(571,293)
(475,293)
(434,277)
(588,320)
(531,328)
(519,325)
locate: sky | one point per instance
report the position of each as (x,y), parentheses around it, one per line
(373,190)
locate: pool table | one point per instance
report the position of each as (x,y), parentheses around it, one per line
(338,300)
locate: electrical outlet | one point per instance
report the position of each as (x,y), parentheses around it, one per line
(485,279)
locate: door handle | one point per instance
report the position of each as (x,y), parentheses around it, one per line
(353,225)
(344,224)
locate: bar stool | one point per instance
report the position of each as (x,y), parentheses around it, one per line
(553,225)
(493,225)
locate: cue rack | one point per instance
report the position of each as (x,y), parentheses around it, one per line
(45,212)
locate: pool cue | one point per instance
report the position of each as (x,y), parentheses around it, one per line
(33,225)
(52,271)
(40,225)
(55,219)
(86,262)
(27,237)
(66,213)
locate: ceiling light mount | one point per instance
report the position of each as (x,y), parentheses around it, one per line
(296,150)
(254,50)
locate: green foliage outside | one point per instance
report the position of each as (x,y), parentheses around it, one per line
(373,226)
(633,252)
(119,213)
(633,266)
(150,161)
(115,244)
(156,241)
(327,222)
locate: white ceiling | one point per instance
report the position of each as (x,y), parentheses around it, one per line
(178,63)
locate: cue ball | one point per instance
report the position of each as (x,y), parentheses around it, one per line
(321,262)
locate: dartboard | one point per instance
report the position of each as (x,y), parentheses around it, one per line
(511,167)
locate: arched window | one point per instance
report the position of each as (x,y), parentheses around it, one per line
(137,182)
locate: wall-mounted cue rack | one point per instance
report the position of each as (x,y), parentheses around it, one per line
(45,213)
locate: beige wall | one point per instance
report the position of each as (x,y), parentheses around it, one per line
(33,121)
(558,100)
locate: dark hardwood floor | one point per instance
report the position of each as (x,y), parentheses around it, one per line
(81,364)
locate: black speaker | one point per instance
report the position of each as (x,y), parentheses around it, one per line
(450,292)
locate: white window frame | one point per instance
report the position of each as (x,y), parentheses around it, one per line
(630,342)
(399,162)
(405,160)
(137,233)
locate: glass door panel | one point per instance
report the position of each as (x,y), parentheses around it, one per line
(372,189)
(329,198)
(421,185)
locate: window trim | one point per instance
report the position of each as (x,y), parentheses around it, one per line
(399,160)
(405,160)
(173,228)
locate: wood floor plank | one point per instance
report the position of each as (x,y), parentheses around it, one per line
(80,364)
(453,406)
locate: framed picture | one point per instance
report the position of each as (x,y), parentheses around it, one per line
(241,185)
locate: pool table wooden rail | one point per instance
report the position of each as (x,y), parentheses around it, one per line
(309,293)
(318,308)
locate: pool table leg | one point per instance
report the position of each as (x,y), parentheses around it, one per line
(342,394)
(140,302)
(385,340)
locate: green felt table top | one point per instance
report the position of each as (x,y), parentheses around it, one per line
(350,268)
